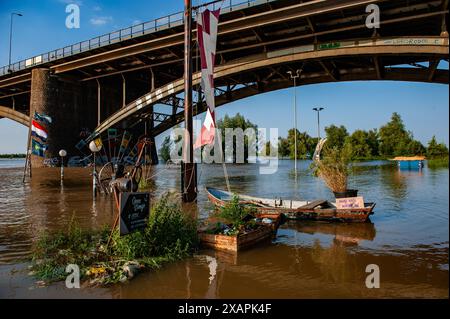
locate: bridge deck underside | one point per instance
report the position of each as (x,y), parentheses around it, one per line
(255,31)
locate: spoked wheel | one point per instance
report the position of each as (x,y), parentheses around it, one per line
(137,178)
(105,177)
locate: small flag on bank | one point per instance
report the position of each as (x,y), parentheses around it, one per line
(42,118)
(38,148)
(38,130)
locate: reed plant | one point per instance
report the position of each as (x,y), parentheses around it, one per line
(334,168)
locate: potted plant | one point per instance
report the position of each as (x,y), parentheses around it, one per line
(334,169)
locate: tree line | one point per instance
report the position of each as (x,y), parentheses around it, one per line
(391,139)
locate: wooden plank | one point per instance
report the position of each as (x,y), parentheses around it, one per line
(313,204)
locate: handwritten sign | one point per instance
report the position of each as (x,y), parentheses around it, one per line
(350,202)
(134,211)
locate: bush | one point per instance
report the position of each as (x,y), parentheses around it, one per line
(170,235)
(235,213)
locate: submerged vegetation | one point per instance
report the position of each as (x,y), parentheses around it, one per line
(170,235)
(441,162)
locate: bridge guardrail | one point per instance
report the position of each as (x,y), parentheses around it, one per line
(134,31)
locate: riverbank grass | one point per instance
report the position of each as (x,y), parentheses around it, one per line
(441,162)
(170,235)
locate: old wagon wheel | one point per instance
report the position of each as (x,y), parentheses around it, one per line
(105,177)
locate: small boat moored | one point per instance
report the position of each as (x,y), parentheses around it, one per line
(311,210)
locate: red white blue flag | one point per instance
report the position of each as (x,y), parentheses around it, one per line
(38,130)
(207,23)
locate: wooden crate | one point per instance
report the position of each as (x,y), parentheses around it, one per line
(236,242)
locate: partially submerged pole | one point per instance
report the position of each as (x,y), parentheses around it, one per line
(189,179)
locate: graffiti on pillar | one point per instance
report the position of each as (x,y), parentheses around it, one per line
(39,134)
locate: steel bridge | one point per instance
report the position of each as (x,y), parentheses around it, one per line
(134,76)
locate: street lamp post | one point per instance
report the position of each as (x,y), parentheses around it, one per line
(318,109)
(10,38)
(62,153)
(294,77)
(94,149)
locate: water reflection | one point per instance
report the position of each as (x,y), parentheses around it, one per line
(408,236)
(344,233)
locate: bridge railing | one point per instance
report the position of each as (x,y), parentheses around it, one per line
(134,31)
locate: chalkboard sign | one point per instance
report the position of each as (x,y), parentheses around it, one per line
(134,211)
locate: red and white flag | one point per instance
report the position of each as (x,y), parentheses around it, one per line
(207,23)
(38,130)
(207,133)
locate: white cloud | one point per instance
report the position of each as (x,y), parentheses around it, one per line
(97,21)
(97,8)
(135,22)
(77,2)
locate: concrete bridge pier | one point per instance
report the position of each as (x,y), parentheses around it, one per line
(60,99)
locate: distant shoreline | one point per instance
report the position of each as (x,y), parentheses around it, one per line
(12,156)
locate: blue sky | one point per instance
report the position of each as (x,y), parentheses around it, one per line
(357,105)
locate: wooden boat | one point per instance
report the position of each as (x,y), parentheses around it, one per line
(234,243)
(311,210)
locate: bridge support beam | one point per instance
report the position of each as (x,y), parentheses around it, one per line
(42,100)
(60,99)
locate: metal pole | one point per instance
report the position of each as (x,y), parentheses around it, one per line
(98,101)
(10,38)
(94,176)
(294,77)
(318,125)
(62,168)
(295,123)
(318,109)
(10,41)
(189,180)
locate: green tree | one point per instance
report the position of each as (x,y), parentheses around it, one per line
(436,149)
(336,136)
(394,139)
(165,149)
(305,144)
(374,142)
(238,121)
(283,147)
(416,148)
(358,145)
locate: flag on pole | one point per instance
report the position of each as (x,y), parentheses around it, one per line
(207,133)
(42,118)
(207,23)
(38,130)
(38,148)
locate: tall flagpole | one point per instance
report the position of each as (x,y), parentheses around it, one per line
(189,178)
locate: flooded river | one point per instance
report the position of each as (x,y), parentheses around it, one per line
(408,236)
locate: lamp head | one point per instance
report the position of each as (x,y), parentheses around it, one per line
(62,153)
(94,148)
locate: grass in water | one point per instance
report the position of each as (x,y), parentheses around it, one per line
(438,162)
(170,235)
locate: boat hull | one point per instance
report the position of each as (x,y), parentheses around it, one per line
(357,215)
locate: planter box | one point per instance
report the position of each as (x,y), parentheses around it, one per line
(236,242)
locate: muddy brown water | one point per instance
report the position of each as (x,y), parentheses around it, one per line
(408,236)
